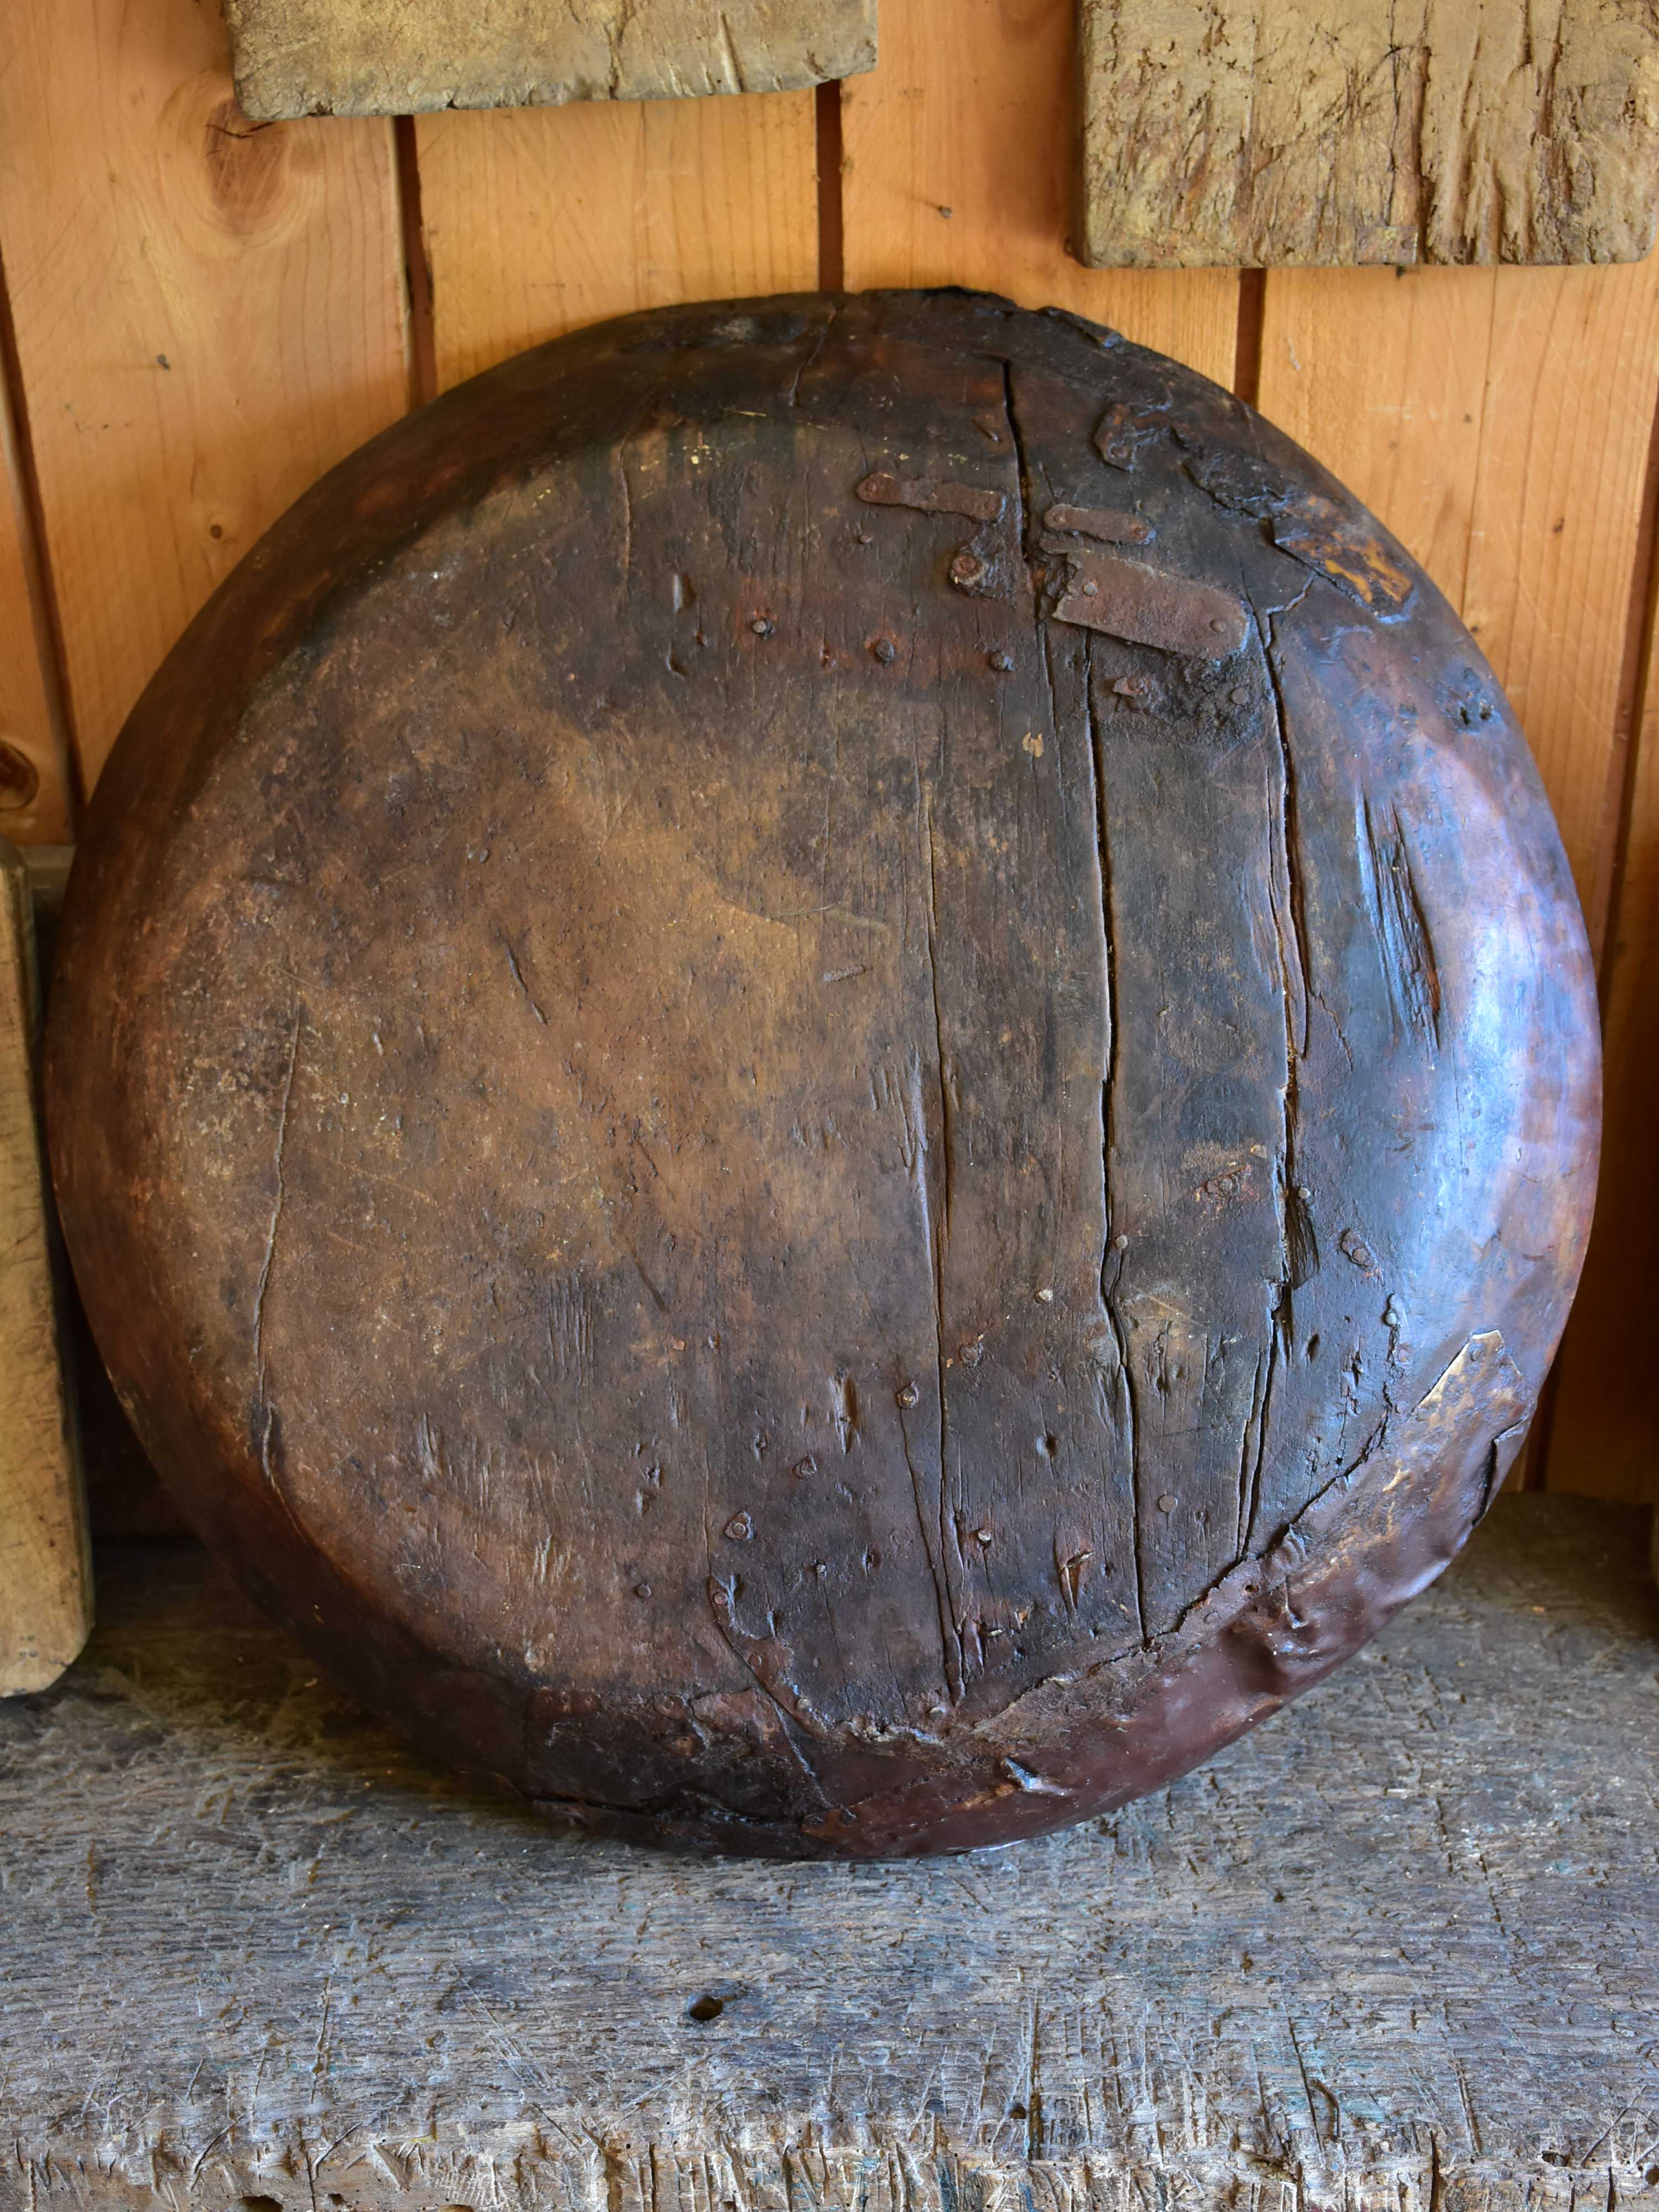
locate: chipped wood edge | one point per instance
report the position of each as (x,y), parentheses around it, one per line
(45,1564)
(588,2162)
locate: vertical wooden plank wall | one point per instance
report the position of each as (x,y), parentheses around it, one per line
(543,219)
(957,168)
(203,315)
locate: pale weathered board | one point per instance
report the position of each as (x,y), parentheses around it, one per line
(360,58)
(46,1581)
(36,792)
(1395,1950)
(1265,133)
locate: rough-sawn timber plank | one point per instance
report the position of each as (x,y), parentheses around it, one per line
(1394,1949)
(1242,133)
(46,1580)
(359,57)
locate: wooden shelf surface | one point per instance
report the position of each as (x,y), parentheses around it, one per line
(1400,1946)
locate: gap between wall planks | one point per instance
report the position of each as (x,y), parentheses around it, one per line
(1502,422)
(959,159)
(1603,1436)
(207,316)
(539,219)
(37,788)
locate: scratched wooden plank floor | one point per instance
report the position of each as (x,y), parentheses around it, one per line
(1400,1945)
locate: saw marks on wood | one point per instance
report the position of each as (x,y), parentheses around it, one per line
(46,1580)
(1252,133)
(1395,1950)
(360,58)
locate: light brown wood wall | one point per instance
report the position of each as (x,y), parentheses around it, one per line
(202,314)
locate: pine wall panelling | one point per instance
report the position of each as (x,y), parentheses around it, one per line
(207,313)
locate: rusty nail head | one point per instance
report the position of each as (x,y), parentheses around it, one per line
(740,1528)
(907,1395)
(1002,662)
(762,627)
(884,650)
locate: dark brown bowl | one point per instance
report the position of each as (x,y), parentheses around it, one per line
(824,1071)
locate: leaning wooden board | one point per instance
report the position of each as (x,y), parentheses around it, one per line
(45,1583)
(1271,133)
(360,58)
(1393,1952)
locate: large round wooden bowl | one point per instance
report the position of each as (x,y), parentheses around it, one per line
(824,1072)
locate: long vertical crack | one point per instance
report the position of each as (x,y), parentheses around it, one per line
(263,1284)
(1111,1259)
(1298,1254)
(938,1225)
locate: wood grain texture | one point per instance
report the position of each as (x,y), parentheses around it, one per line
(539,222)
(1499,421)
(297,58)
(207,315)
(1251,133)
(957,170)
(36,803)
(952,1264)
(1604,1430)
(1393,1950)
(46,1580)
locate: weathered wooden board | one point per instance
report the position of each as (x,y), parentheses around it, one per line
(46,1583)
(296,58)
(958,169)
(1393,1951)
(207,316)
(1265,133)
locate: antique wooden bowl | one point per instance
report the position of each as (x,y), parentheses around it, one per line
(824,1072)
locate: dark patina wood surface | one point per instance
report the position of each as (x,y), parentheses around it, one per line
(825,1072)
(1393,1952)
